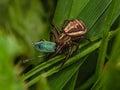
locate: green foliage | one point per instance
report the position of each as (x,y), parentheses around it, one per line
(8,72)
(95,66)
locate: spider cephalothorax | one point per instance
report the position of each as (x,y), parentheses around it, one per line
(73,30)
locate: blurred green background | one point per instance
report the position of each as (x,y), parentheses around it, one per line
(96,65)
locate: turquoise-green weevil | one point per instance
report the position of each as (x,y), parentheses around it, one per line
(45,46)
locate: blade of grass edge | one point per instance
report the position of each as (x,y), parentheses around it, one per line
(92,79)
(103,48)
(105,39)
(71,83)
(63,76)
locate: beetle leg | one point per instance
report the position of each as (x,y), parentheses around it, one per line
(56,28)
(67,56)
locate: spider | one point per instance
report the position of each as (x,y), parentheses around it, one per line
(73,30)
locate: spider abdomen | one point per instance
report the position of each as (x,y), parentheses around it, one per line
(75,28)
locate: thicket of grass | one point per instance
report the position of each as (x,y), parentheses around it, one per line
(96,65)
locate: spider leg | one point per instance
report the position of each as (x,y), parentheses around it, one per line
(53,33)
(57,51)
(86,38)
(56,28)
(67,56)
(77,46)
(65,21)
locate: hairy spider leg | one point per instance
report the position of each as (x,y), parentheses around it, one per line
(83,37)
(64,23)
(56,28)
(77,46)
(53,33)
(57,51)
(67,56)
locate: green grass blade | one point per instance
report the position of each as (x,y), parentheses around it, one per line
(42,83)
(41,67)
(104,43)
(62,11)
(101,59)
(98,28)
(72,82)
(88,83)
(93,10)
(77,7)
(112,70)
(63,76)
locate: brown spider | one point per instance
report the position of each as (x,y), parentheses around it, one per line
(73,30)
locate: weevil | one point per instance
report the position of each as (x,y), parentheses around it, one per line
(45,46)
